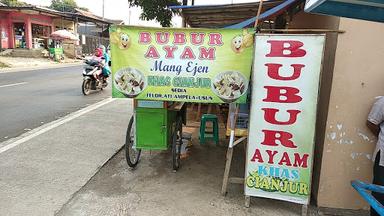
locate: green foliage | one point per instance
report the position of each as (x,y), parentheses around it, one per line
(156,10)
(13,3)
(65,5)
(83,8)
(3,65)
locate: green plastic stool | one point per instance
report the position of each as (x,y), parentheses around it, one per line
(203,134)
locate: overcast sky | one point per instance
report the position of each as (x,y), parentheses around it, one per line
(119,9)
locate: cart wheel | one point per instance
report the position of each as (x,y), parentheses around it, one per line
(176,143)
(131,153)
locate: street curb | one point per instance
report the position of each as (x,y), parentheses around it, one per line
(13,142)
(90,179)
(22,69)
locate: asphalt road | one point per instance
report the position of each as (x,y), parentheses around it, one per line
(29,99)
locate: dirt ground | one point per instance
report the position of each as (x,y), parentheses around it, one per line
(154,189)
(19,62)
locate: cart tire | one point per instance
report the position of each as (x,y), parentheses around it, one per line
(132,155)
(86,87)
(176,143)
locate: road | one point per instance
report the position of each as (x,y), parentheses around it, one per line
(29,99)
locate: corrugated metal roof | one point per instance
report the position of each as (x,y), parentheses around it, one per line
(79,14)
(271,13)
(218,16)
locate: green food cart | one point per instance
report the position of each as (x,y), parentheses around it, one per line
(155,125)
(56,53)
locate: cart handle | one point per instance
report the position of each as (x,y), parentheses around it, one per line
(363,188)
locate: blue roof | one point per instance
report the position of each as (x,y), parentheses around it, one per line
(371,10)
(232,15)
(272,12)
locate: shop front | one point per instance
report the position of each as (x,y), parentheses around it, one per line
(213,66)
(40,36)
(24,30)
(351,80)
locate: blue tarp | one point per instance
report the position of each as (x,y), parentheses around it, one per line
(371,10)
(272,12)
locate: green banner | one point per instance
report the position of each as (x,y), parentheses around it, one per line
(190,65)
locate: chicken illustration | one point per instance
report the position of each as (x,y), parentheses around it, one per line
(240,42)
(121,39)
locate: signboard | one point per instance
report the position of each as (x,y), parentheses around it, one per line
(283,114)
(190,65)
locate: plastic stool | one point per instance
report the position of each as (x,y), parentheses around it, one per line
(203,135)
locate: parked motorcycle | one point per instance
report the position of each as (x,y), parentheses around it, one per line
(89,81)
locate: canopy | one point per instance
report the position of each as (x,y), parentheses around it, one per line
(372,10)
(234,16)
(63,35)
(219,16)
(267,14)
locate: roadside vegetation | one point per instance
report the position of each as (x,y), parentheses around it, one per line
(3,65)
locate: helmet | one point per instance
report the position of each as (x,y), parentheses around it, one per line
(102,47)
(98,52)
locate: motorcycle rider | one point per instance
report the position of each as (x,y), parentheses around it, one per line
(98,56)
(106,68)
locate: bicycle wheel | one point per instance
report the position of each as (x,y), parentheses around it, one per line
(176,143)
(131,153)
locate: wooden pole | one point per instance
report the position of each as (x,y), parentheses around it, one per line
(1,38)
(184,22)
(305,30)
(258,13)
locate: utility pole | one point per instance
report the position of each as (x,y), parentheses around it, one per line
(129,18)
(129,13)
(102,25)
(103,8)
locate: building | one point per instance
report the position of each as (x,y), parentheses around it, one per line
(26,27)
(30,26)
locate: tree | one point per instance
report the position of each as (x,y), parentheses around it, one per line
(13,3)
(64,5)
(83,8)
(156,10)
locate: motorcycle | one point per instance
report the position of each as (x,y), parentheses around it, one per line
(89,81)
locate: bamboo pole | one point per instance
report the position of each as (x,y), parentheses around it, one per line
(258,13)
(305,30)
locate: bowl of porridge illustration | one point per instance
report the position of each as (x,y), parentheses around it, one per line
(129,81)
(229,85)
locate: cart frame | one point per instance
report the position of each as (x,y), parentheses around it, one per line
(154,127)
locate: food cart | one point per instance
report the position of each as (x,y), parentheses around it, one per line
(159,128)
(56,50)
(162,69)
(56,53)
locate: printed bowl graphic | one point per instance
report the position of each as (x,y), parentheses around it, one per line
(229,85)
(129,81)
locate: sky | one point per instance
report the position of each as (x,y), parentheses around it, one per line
(119,9)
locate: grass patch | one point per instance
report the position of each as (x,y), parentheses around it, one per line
(3,65)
